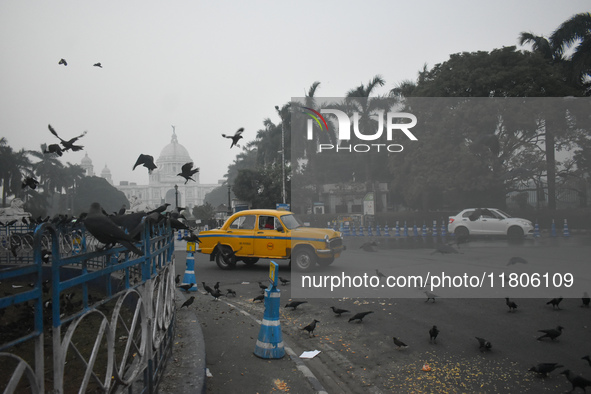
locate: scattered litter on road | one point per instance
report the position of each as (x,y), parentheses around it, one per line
(310,354)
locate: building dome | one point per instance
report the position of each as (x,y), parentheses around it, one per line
(172,157)
(86,160)
(174,152)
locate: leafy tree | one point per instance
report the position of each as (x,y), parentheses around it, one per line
(12,167)
(96,189)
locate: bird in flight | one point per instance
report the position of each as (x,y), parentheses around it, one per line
(98,65)
(69,144)
(63,61)
(31,182)
(236,137)
(187,171)
(53,148)
(147,161)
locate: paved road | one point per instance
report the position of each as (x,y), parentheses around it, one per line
(361,357)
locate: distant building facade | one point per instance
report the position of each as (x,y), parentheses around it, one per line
(162,181)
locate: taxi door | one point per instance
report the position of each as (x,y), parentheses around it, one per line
(239,235)
(270,238)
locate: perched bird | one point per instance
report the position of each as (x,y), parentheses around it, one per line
(576,381)
(380,275)
(284,281)
(512,305)
(191,238)
(98,65)
(106,231)
(430,295)
(188,302)
(433,332)
(484,344)
(585,300)
(187,286)
(216,286)
(399,343)
(177,280)
(517,259)
(359,316)
(63,61)
(187,171)
(216,294)
(587,358)
(259,298)
(207,288)
(338,311)
(551,333)
(555,302)
(294,304)
(160,209)
(369,246)
(30,182)
(444,249)
(310,327)
(230,292)
(69,144)
(147,161)
(235,138)
(545,368)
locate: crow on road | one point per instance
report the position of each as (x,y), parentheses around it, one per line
(551,333)
(359,316)
(338,311)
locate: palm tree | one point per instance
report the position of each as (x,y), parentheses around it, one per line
(575,34)
(577,68)
(49,170)
(12,166)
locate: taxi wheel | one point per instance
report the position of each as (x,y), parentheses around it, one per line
(225,263)
(304,260)
(325,262)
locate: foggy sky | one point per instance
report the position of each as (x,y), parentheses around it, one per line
(212,67)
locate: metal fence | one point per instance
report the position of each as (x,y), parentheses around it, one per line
(76,317)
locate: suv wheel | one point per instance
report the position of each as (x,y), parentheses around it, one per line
(515,232)
(304,260)
(462,232)
(225,263)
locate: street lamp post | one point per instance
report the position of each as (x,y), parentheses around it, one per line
(176,196)
(282,154)
(229,201)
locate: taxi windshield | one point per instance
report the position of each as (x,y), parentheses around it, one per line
(291,222)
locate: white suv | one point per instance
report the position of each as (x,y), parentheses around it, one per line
(488,221)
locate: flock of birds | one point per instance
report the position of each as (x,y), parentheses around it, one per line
(484,345)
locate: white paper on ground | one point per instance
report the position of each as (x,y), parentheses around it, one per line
(310,354)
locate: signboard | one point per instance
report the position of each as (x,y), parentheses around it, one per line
(190,246)
(273,270)
(368,204)
(282,207)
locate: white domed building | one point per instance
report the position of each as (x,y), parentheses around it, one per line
(162,182)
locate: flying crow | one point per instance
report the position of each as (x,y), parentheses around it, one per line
(236,137)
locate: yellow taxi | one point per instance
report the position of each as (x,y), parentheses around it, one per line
(270,234)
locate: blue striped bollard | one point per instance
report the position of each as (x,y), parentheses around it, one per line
(565,232)
(361,231)
(186,232)
(536,230)
(405,232)
(347,231)
(378,231)
(434,228)
(553,229)
(189,276)
(415,230)
(386,230)
(397,230)
(179,236)
(353,232)
(369,232)
(424,230)
(443,229)
(270,340)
